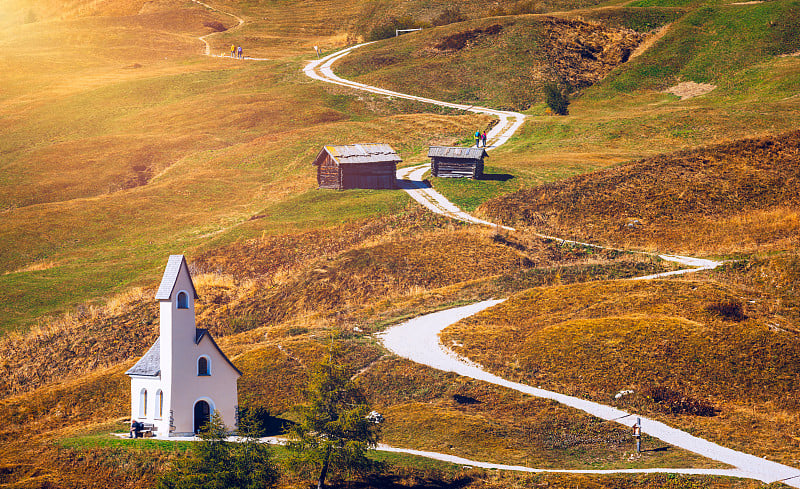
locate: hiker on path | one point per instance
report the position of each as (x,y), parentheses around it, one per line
(483,138)
(478,138)
(239,50)
(233,50)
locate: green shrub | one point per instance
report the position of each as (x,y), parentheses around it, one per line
(216,462)
(556,98)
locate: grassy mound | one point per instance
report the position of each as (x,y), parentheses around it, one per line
(378,19)
(775,275)
(500,62)
(699,354)
(712,43)
(729,198)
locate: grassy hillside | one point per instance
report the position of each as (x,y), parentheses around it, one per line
(713,42)
(122,144)
(274,349)
(380,18)
(499,62)
(698,355)
(180,149)
(732,198)
(740,49)
(363,273)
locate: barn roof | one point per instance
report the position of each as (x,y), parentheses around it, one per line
(171,276)
(470,153)
(350,154)
(150,364)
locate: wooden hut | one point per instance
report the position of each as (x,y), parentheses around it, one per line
(451,162)
(357,166)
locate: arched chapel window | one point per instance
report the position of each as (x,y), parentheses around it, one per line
(203,366)
(183,300)
(143,403)
(160,404)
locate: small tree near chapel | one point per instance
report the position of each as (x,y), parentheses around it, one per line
(215,462)
(333,434)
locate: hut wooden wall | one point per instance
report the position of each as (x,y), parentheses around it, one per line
(456,168)
(328,175)
(369,175)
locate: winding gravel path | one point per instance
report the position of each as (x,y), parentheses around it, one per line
(418,338)
(410,178)
(240,23)
(321,70)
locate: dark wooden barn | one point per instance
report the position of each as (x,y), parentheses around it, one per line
(451,162)
(357,166)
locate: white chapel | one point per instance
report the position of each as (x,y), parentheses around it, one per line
(184,377)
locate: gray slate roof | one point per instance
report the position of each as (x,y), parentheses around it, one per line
(360,153)
(470,153)
(171,276)
(150,364)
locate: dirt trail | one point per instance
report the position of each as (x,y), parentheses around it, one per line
(240,23)
(418,339)
(650,41)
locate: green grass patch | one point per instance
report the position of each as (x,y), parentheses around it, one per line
(110,441)
(639,19)
(322,207)
(468,193)
(712,43)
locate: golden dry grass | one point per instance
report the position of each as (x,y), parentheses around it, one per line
(707,343)
(737,197)
(422,412)
(197,155)
(363,273)
(776,276)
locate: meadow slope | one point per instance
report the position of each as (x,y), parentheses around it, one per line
(123,144)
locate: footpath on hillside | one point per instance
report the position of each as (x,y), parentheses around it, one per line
(418,339)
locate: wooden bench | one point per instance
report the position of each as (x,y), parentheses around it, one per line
(147,430)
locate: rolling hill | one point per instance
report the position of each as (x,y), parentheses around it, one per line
(122,143)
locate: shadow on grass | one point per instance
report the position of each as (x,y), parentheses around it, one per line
(659,449)
(276,426)
(412,185)
(400,482)
(263,423)
(496,177)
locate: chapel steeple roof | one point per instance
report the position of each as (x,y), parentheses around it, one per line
(171,273)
